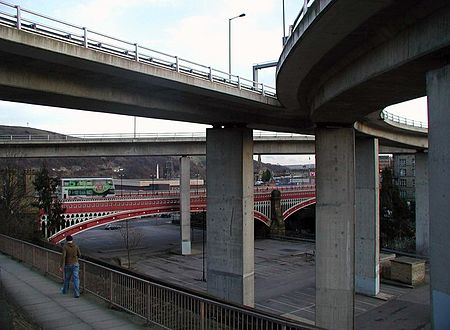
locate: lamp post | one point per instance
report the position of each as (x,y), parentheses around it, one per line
(197,184)
(229,41)
(203,247)
(153,183)
(120,172)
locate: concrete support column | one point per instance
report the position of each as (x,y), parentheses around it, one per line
(335,227)
(422,205)
(438,91)
(367,226)
(185,205)
(230,231)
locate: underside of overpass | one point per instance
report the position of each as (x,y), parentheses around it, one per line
(375,57)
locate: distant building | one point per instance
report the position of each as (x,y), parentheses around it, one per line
(405,175)
(302,174)
(385,161)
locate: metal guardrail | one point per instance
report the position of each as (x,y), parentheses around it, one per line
(27,20)
(300,15)
(132,136)
(157,304)
(402,120)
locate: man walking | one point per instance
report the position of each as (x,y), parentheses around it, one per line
(69,263)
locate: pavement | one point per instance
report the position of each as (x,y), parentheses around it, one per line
(35,301)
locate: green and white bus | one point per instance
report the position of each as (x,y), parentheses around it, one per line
(86,187)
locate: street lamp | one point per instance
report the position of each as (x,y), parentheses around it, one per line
(120,172)
(229,41)
(197,184)
(203,247)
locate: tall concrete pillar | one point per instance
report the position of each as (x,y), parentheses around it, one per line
(335,227)
(185,205)
(230,231)
(422,204)
(367,226)
(438,91)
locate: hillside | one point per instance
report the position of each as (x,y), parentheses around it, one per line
(19,130)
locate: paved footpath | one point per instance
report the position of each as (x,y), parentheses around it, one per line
(41,300)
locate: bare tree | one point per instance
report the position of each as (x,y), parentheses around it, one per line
(131,238)
(17,216)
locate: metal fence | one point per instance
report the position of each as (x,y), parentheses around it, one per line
(157,304)
(402,120)
(27,20)
(135,137)
(301,14)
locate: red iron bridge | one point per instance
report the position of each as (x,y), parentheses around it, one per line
(84,214)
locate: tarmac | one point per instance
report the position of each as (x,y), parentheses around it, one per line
(36,302)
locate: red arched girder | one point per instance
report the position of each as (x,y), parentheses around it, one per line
(297,207)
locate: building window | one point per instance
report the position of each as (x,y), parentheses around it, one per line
(402,182)
(403,172)
(402,162)
(403,193)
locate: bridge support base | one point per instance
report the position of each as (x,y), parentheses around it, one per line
(230,227)
(335,227)
(367,227)
(438,92)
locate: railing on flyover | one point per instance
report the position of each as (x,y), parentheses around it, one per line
(300,15)
(154,302)
(385,115)
(32,21)
(257,135)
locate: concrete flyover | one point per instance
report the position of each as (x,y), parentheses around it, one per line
(394,136)
(43,146)
(344,61)
(89,79)
(126,145)
(347,59)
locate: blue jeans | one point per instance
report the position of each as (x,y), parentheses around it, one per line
(71,271)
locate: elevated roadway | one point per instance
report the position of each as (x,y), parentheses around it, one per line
(164,144)
(347,59)
(405,140)
(92,71)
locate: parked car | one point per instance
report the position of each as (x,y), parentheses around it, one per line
(112,226)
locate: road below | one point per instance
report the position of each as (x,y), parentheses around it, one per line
(284,270)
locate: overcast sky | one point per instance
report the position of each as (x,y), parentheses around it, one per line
(196,30)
